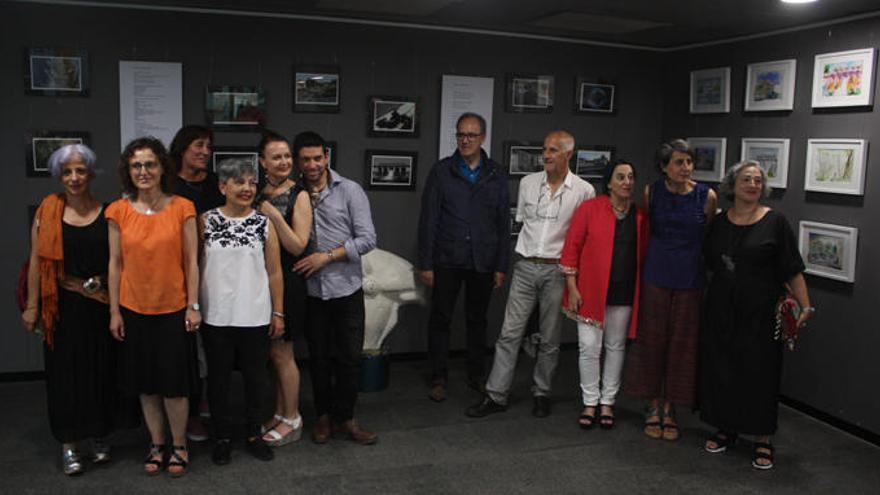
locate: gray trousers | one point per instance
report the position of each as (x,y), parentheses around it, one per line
(531,283)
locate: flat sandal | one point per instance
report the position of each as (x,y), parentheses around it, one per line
(177,465)
(153,466)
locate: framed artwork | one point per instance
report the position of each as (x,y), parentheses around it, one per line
(710,90)
(836,166)
(710,154)
(524,157)
(392,116)
(235,107)
(515,227)
(56,72)
(843,79)
(529,93)
(829,250)
(593,97)
(772,154)
(590,162)
(248,154)
(391,170)
(770,86)
(332,153)
(41,144)
(316,88)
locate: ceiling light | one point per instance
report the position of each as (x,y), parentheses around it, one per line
(797,1)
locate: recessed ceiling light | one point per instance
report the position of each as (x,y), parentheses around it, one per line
(798,1)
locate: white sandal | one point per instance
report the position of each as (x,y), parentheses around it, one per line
(277,418)
(275,439)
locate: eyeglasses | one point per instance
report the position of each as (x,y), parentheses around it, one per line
(138,166)
(467,136)
(756,180)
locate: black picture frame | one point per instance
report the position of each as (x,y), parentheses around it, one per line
(332,154)
(316,88)
(393,116)
(594,97)
(589,162)
(391,170)
(250,153)
(523,157)
(40,144)
(515,227)
(235,108)
(56,72)
(529,93)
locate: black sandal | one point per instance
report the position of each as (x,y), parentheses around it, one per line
(606,421)
(758,453)
(722,440)
(176,464)
(587,417)
(153,466)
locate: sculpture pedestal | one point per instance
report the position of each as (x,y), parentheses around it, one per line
(374,372)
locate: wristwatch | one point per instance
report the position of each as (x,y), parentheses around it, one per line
(194,307)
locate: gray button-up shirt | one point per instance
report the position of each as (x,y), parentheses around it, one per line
(341,218)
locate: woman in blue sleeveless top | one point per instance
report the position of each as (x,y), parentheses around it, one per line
(663,360)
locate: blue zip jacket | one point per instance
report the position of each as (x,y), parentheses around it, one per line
(464,225)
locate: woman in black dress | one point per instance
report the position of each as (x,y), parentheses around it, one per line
(753,255)
(67,297)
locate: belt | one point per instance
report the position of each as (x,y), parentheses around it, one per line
(542,261)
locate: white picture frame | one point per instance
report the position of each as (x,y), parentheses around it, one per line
(710,90)
(710,156)
(836,166)
(770,86)
(772,154)
(844,79)
(829,250)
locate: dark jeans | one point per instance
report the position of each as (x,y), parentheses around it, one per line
(335,334)
(478,290)
(226,347)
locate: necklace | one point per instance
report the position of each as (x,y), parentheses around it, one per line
(620,210)
(152,208)
(278,184)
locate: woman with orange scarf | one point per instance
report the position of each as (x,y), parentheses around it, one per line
(67,297)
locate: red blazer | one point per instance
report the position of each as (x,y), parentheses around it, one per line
(587,252)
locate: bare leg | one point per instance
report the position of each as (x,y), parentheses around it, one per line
(154,417)
(281,354)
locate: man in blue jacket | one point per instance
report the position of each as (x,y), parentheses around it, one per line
(464,239)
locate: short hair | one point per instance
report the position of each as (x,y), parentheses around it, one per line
(472,115)
(565,137)
(665,151)
(729,182)
(235,168)
(308,139)
(158,149)
(184,137)
(609,172)
(270,137)
(68,152)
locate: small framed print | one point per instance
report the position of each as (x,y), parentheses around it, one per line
(836,166)
(41,144)
(710,90)
(235,107)
(590,161)
(56,72)
(515,227)
(392,116)
(844,79)
(529,93)
(710,154)
(829,250)
(772,154)
(316,88)
(249,155)
(593,97)
(332,153)
(770,86)
(524,157)
(391,170)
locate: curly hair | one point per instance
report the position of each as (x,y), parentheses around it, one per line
(162,156)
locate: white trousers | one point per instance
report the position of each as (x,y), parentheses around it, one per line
(591,341)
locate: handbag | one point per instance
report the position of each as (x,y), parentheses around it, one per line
(788,311)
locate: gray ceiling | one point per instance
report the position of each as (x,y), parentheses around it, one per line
(649,23)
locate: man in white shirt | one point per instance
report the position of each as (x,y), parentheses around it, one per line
(547,201)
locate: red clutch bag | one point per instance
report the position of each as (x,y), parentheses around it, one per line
(787,313)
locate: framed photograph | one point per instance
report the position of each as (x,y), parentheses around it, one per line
(844,79)
(529,93)
(836,166)
(247,154)
(515,227)
(770,86)
(391,170)
(710,155)
(56,72)
(41,144)
(590,162)
(710,90)
(316,88)
(772,154)
(235,107)
(524,157)
(332,153)
(829,250)
(392,116)
(593,97)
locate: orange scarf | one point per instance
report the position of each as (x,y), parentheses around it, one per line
(51,255)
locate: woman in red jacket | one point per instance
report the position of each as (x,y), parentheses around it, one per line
(601,260)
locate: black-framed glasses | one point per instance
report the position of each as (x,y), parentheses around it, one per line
(461,136)
(143,166)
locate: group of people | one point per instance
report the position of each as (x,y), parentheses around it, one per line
(196,274)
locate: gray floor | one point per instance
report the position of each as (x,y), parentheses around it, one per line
(433,448)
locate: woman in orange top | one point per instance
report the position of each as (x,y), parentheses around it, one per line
(154,284)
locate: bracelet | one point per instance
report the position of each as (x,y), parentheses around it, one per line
(809,309)
(278,314)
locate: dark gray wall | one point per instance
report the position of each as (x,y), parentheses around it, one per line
(835,366)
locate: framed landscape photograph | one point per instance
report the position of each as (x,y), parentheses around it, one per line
(590,161)
(710,90)
(41,144)
(246,154)
(844,79)
(515,227)
(836,166)
(393,116)
(235,107)
(710,154)
(391,170)
(529,93)
(829,250)
(56,72)
(772,154)
(770,86)
(316,88)
(524,157)
(593,97)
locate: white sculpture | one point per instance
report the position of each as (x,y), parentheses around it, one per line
(389,282)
